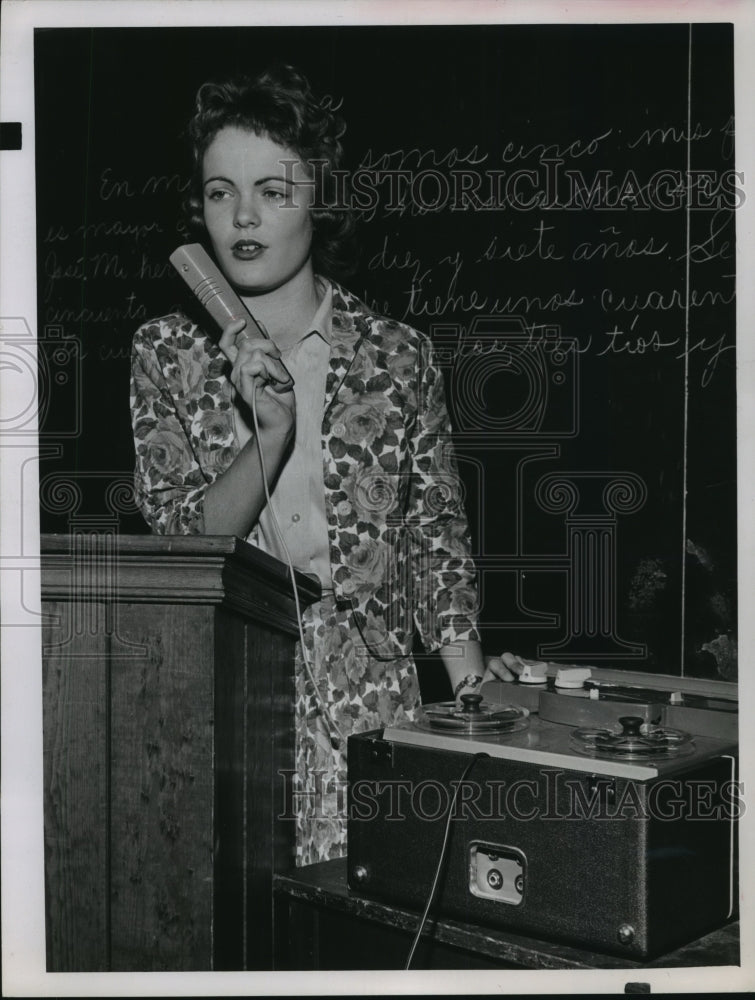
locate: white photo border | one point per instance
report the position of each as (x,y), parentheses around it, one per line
(23,948)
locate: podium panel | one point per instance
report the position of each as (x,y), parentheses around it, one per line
(168,719)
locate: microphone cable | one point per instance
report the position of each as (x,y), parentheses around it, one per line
(338,740)
(442,857)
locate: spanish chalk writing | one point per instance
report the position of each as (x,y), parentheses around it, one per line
(508,214)
(555,206)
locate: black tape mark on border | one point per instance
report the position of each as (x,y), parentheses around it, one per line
(10,135)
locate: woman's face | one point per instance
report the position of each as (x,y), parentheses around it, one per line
(257,196)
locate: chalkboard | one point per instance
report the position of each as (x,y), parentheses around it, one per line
(555,205)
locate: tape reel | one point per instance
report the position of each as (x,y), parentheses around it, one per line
(635,741)
(474,716)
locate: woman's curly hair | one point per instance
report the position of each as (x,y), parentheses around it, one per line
(279,103)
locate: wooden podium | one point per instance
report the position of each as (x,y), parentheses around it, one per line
(168,742)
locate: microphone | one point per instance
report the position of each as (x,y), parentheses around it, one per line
(207,283)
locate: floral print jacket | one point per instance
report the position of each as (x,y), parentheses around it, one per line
(399,540)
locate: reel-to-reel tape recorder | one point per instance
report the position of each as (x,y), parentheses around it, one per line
(588,813)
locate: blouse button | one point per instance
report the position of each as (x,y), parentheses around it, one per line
(296,518)
(338,429)
(343,507)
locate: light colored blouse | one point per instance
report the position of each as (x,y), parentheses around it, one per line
(298,496)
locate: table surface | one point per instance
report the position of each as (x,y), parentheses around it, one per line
(324,885)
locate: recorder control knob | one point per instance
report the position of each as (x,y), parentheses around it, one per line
(630,725)
(471,703)
(572,677)
(534,673)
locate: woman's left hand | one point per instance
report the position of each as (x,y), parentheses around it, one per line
(505,667)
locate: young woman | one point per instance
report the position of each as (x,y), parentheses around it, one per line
(352,427)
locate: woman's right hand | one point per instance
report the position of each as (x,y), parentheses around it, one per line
(256,363)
